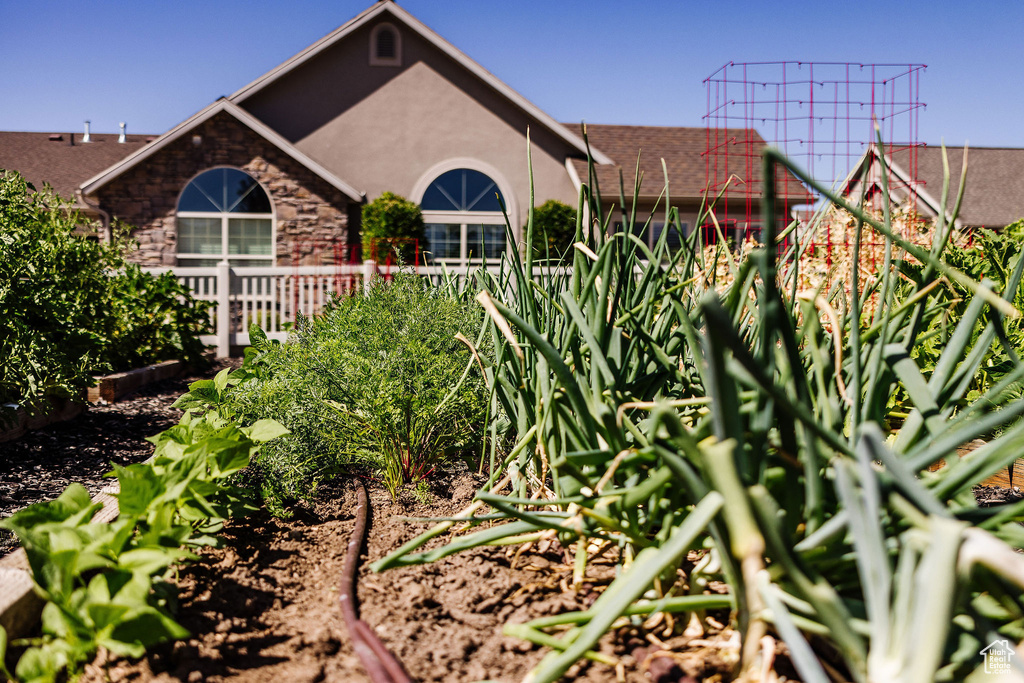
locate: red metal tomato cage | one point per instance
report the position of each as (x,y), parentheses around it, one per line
(822,116)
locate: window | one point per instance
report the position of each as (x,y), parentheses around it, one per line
(225,214)
(385,46)
(463,212)
(674,239)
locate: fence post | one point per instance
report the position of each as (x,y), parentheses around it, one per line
(369,269)
(223,309)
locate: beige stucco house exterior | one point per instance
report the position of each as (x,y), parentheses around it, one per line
(277,173)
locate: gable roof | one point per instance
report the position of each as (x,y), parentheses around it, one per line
(244,117)
(682,148)
(390,8)
(66,162)
(993,193)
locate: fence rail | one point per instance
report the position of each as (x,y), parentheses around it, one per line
(273,297)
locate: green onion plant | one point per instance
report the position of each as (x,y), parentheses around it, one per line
(654,415)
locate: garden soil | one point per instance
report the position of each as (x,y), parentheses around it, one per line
(264,606)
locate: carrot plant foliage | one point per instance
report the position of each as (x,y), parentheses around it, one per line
(377,379)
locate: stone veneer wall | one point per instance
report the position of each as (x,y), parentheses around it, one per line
(315,220)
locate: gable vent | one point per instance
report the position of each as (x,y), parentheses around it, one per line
(385,46)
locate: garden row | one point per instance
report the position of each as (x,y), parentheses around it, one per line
(641,411)
(786,433)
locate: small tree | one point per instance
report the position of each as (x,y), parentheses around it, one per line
(390,225)
(554,228)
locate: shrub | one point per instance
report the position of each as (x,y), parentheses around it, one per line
(377,379)
(989,255)
(390,223)
(554,228)
(72,307)
(153,319)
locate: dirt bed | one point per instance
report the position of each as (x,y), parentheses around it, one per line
(264,607)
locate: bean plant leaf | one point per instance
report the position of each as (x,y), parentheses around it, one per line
(266,430)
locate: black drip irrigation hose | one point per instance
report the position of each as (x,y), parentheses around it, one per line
(380,664)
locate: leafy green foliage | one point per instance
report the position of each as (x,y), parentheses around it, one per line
(153,319)
(53,290)
(390,223)
(554,228)
(990,255)
(378,379)
(106,585)
(72,307)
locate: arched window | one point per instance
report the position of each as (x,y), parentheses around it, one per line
(462,210)
(385,46)
(224,213)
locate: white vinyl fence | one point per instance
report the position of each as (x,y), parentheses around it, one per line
(273,296)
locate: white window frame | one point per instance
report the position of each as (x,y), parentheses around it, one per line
(464,219)
(467,218)
(385,61)
(224,256)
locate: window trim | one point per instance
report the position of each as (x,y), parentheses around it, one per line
(466,218)
(376,60)
(224,256)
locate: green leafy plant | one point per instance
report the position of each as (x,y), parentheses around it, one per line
(380,380)
(554,228)
(392,225)
(988,255)
(53,291)
(153,318)
(73,307)
(107,584)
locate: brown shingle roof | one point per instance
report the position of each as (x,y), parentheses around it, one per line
(682,148)
(58,162)
(994,194)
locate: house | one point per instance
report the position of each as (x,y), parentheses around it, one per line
(993,193)
(276,173)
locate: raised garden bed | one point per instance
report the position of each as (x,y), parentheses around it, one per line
(113,387)
(61,410)
(108,389)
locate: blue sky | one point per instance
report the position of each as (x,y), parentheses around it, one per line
(153,63)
